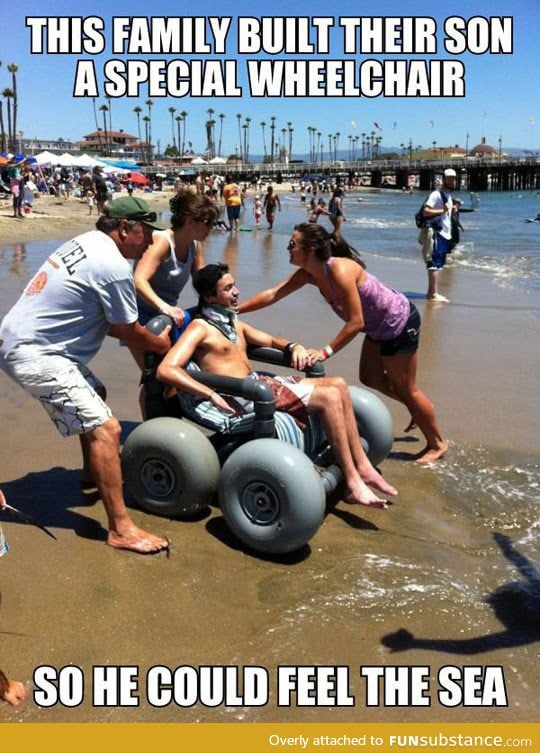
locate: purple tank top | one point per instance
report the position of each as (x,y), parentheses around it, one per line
(385,310)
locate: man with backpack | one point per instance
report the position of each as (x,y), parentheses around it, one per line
(438,213)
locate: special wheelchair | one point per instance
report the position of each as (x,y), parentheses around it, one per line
(271,479)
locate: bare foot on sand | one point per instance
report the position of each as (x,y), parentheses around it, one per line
(362,495)
(15,693)
(372,478)
(430,454)
(137,540)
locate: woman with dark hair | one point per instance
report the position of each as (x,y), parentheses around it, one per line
(335,209)
(174,256)
(391,323)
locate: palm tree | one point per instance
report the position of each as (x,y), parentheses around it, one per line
(310,136)
(12,68)
(239,118)
(149,103)
(290,130)
(179,119)
(137,111)
(246,140)
(245,128)
(319,146)
(184,115)
(2,131)
(283,149)
(221,117)
(210,132)
(104,109)
(272,139)
(146,121)
(172,110)
(98,129)
(8,94)
(263,126)
(110,124)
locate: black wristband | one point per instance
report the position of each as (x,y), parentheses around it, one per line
(290,347)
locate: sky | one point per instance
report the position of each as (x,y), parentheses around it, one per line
(498,91)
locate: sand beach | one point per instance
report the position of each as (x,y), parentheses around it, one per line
(434,564)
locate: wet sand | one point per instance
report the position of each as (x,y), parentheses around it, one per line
(75,601)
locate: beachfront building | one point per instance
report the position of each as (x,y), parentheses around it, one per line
(36,145)
(483,150)
(117,144)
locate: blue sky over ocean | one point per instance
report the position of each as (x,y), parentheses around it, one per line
(500,89)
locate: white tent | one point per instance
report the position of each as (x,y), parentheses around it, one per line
(45,158)
(85,160)
(199,161)
(217,161)
(65,160)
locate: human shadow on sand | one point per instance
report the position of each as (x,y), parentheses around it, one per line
(516,604)
(48,496)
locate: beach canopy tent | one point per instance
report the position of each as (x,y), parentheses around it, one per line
(218,161)
(199,161)
(85,160)
(7,158)
(139,179)
(45,158)
(122,164)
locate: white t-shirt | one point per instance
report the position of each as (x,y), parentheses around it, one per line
(435,201)
(80,290)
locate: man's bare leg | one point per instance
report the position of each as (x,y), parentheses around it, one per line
(326,400)
(365,468)
(103,445)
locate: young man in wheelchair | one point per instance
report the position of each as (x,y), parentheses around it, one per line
(217,342)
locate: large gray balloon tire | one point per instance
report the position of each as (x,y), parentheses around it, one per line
(374,423)
(271,496)
(170,467)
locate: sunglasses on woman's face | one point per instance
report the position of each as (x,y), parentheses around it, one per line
(293,244)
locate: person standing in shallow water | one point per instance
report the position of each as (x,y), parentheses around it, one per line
(271,200)
(438,209)
(391,323)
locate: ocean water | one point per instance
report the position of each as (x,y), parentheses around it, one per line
(496,241)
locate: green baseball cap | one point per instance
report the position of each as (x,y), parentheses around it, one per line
(132,208)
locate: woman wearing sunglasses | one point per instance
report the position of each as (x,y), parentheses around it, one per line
(174,256)
(391,323)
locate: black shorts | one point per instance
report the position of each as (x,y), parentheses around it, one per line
(407,341)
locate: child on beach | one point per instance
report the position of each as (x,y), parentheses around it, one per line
(257,209)
(90,200)
(11,691)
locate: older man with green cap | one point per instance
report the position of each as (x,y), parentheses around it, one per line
(83,292)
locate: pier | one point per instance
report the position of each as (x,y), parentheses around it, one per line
(505,174)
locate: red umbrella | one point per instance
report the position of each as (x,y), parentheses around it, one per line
(139,179)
